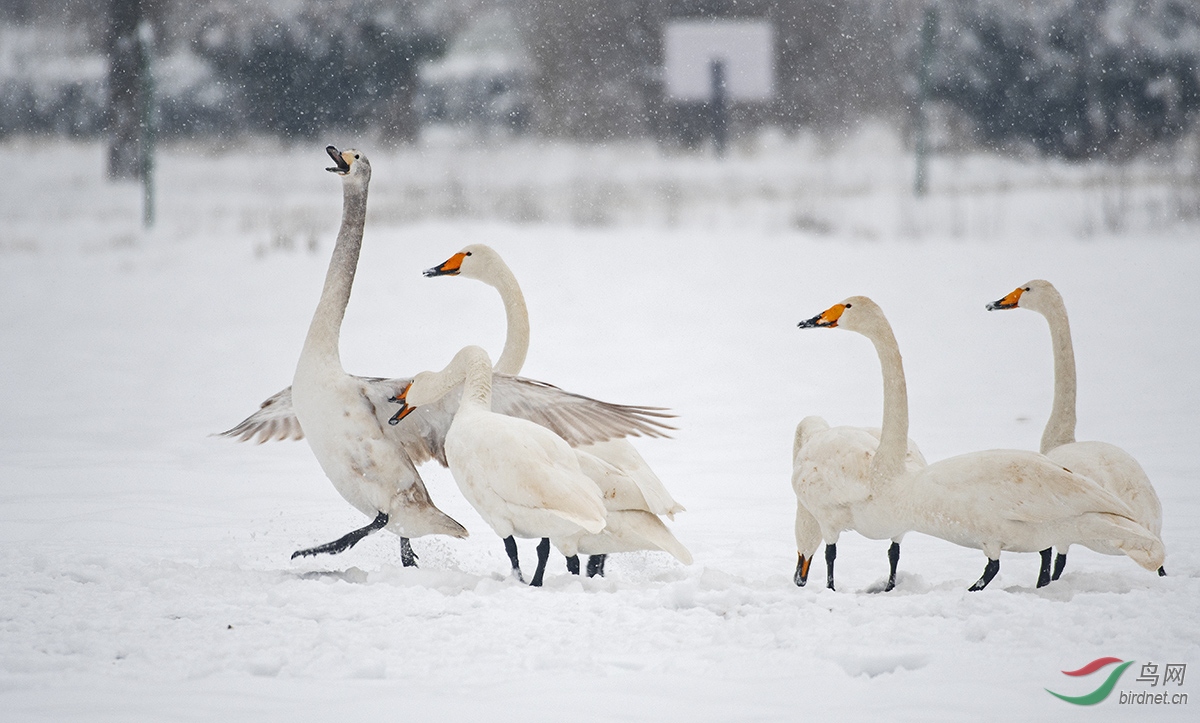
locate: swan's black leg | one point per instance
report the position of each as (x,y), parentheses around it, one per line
(595,565)
(1162,572)
(830,556)
(1059,563)
(510,546)
(1044,577)
(993,567)
(802,564)
(543,553)
(573,564)
(345,542)
(408,558)
(893,561)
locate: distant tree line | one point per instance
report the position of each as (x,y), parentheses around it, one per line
(289,69)
(1070,78)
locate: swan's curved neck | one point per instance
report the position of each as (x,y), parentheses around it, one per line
(321,344)
(473,369)
(477,384)
(888,461)
(516,342)
(1060,427)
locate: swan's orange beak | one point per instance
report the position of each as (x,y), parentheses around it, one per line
(802,566)
(404,410)
(449,267)
(827,319)
(1008,302)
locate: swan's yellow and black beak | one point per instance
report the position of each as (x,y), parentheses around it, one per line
(341,160)
(404,410)
(1008,302)
(827,319)
(802,566)
(449,267)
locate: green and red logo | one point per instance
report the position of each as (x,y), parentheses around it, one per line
(1105,688)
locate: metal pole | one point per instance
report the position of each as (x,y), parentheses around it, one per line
(929,29)
(718,96)
(147,120)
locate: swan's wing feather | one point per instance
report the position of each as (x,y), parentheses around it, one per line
(274,420)
(422,434)
(574,417)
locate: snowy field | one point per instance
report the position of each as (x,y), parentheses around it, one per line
(144,564)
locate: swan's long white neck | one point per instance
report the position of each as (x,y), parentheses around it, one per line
(321,344)
(477,383)
(1060,427)
(472,368)
(516,342)
(888,461)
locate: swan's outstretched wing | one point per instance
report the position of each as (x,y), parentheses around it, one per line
(575,418)
(274,420)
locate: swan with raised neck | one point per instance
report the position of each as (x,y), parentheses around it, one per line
(1111,467)
(483,263)
(843,477)
(336,411)
(632,493)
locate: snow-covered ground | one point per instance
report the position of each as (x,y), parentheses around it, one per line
(144,564)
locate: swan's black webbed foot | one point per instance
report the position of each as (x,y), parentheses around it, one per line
(510,547)
(543,553)
(993,567)
(893,561)
(345,542)
(595,565)
(573,564)
(1044,576)
(801,575)
(408,558)
(830,556)
(1060,562)
(1162,572)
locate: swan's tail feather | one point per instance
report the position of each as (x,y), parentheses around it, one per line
(1138,543)
(630,530)
(413,514)
(626,460)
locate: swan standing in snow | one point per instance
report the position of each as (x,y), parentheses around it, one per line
(643,491)
(524,480)
(576,418)
(992,500)
(1111,467)
(336,412)
(838,472)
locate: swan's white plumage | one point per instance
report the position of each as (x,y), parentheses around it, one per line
(992,500)
(1111,467)
(632,493)
(840,474)
(483,263)
(336,411)
(524,480)
(1021,501)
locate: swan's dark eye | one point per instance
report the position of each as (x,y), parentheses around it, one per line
(468,253)
(356,156)
(849,305)
(1026,288)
